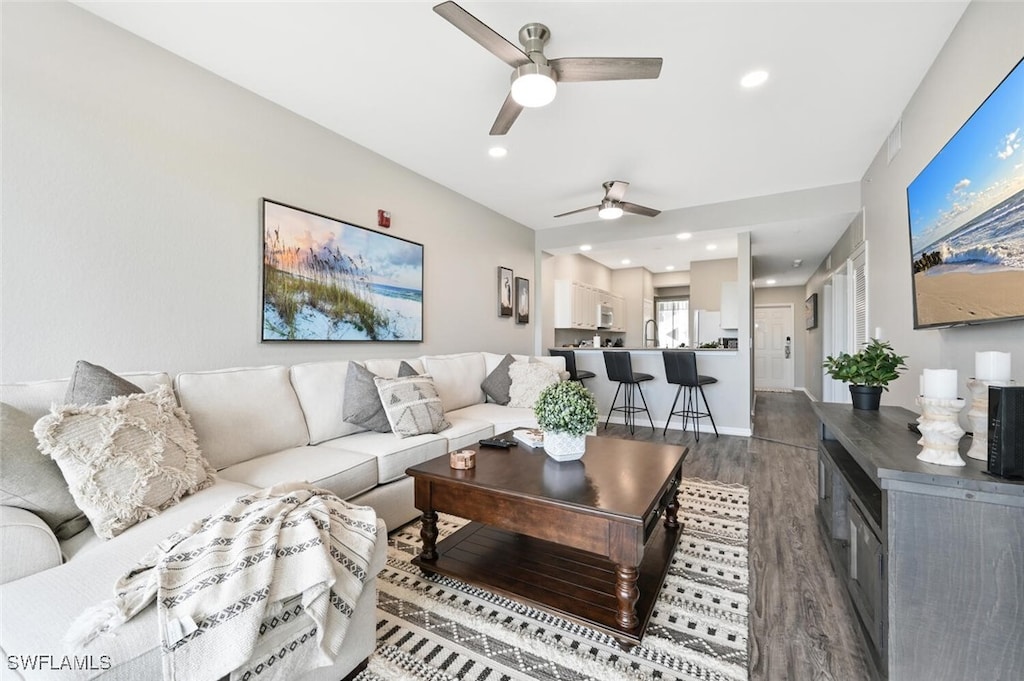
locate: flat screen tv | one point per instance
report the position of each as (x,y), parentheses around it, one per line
(966,213)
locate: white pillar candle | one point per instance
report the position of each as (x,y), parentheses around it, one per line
(940,384)
(992,366)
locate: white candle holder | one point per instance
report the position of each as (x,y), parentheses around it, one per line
(940,431)
(977,416)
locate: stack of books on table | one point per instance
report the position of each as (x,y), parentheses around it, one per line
(531,437)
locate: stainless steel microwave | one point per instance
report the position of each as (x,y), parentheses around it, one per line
(605,317)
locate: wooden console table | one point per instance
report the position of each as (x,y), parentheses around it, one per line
(932,556)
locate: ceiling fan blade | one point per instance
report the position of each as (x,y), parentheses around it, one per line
(482,33)
(508,114)
(633,208)
(578,210)
(579,69)
(615,190)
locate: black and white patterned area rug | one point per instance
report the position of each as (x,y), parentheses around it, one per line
(439,629)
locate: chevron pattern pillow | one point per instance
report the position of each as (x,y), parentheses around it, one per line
(412,405)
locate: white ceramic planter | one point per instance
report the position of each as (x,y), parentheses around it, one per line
(562,446)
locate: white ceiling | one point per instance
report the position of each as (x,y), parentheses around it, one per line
(400,80)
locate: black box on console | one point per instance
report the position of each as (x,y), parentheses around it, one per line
(1006,431)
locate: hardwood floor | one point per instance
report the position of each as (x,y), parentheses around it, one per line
(801,624)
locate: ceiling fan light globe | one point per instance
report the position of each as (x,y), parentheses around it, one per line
(609,212)
(533,85)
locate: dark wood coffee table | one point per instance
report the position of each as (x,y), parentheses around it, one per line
(581,539)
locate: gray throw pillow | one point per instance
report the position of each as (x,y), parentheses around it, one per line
(412,405)
(32,480)
(91,384)
(498,382)
(362,405)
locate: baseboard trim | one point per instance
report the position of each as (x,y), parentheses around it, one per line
(660,425)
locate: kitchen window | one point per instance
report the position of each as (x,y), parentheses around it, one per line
(673,316)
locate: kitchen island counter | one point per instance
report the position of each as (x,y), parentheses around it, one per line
(726,398)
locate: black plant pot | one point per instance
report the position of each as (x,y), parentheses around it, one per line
(866,397)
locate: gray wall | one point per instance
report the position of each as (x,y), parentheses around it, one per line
(983,48)
(789,295)
(131,212)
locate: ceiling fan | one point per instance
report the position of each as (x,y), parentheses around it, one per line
(612,206)
(534,78)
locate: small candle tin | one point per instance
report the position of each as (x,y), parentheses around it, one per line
(462,459)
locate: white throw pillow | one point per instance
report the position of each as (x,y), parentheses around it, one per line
(528,380)
(126,460)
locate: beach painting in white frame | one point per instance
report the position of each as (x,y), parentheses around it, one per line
(329,280)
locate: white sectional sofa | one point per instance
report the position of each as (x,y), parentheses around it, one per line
(257,427)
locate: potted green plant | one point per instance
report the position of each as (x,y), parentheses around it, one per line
(868,371)
(566,412)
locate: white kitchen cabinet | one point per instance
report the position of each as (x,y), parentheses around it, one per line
(575,305)
(618,304)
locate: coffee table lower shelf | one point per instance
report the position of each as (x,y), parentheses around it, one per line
(574,584)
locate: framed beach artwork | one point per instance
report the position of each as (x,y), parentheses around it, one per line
(328,280)
(522,301)
(504,292)
(811,312)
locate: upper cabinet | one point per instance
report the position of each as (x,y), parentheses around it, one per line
(576,306)
(730,305)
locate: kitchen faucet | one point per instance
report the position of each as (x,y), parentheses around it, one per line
(652,338)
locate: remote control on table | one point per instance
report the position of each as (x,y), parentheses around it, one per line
(497,442)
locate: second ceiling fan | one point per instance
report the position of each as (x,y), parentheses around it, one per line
(612,206)
(534,77)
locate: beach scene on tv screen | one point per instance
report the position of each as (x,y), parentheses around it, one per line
(324,279)
(967,217)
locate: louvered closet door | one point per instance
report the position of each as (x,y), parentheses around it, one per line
(859,297)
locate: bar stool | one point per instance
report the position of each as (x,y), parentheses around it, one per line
(681,368)
(570,365)
(620,368)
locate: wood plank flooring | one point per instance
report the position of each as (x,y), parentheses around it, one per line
(801,624)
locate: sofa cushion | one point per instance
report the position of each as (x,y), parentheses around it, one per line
(498,381)
(503,418)
(35,398)
(344,473)
(33,481)
(320,387)
(362,405)
(394,454)
(92,384)
(465,432)
(411,404)
(126,460)
(240,414)
(528,380)
(458,378)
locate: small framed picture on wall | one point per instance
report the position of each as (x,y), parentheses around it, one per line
(522,300)
(504,292)
(811,312)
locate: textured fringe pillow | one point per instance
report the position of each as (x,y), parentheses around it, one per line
(412,405)
(528,380)
(126,460)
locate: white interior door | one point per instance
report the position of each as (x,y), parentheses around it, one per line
(837,333)
(773,347)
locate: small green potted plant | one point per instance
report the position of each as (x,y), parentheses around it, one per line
(868,371)
(566,412)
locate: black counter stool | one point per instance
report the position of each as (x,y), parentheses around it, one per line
(570,365)
(681,368)
(620,368)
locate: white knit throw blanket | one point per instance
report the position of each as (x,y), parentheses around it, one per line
(263,588)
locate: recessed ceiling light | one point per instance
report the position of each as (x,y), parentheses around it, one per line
(497,152)
(626,261)
(585,247)
(670,267)
(683,236)
(754,78)
(711,247)
(770,282)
